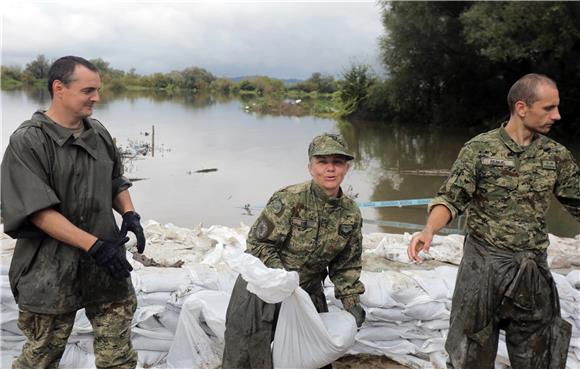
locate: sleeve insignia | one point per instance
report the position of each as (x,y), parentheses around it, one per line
(263,228)
(345,229)
(276,206)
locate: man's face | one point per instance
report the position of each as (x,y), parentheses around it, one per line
(81,94)
(541,115)
(328,172)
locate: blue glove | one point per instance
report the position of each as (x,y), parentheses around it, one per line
(132,222)
(109,255)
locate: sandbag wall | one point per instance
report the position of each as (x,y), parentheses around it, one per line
(408,316)
(181,316)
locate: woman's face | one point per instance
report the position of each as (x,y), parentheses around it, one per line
(328,172)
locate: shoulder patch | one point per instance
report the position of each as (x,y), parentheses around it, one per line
(345,229)
(263,228)
(277,206)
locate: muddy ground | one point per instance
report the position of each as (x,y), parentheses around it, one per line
(365,362)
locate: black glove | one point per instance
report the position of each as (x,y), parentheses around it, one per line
(359,314)
(110,255)
(132,222)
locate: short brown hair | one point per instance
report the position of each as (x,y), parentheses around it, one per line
(525,89)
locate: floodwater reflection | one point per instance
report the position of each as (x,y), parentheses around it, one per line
(254,155)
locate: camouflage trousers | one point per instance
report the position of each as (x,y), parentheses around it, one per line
(250,328)
(47,335)
(511,291)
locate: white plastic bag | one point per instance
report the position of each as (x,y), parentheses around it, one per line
(305,339)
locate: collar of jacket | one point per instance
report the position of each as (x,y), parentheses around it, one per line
(320,194)
(513,146)
(87,140)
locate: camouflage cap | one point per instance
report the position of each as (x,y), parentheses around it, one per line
(328,144)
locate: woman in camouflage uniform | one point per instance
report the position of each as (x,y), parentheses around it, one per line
(311,228)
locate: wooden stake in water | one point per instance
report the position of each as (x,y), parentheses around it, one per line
(153,141)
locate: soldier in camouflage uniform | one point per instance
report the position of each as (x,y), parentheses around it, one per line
(61,177)
(311,228)
(504,180)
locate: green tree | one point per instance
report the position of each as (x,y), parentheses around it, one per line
(455,61)
(195,78)
(546,39)
(354,88)
(38,68)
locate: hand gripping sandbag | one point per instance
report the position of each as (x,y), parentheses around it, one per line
(270,285)
(305,339)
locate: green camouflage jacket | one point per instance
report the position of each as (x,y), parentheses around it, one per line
(44,166)
(506,188)
(305,230)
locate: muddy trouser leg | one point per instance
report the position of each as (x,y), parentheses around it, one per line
(112,328)
(249,330)
(469,351)
(46,337)
(538,343)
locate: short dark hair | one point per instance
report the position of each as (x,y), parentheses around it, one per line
(63,68)
(525,89)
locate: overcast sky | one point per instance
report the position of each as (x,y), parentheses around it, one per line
(234,38)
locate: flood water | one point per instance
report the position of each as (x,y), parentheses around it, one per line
(256,155)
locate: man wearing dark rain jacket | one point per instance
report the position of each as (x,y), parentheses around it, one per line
(504,179)
(61,178)
(311,228)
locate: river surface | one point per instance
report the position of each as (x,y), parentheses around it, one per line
(256,155)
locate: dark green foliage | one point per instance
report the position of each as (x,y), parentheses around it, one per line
(455,61)
(354,89)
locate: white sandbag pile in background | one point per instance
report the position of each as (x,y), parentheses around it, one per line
(180,320)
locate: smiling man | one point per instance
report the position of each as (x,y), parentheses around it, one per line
(505,179)
(311,228)
(61,178)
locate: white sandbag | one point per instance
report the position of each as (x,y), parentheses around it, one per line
(212,279)
(270,285)
(376,295)
(431,345)
(306,340)
(574,278)
(403,289)
(378,332)
(82,324)
(75,357)
(154,279)
(417,333)
(435,325)
(387,348)
(427,311)
(387,315)
(159,339)
(193,346)
(431,282)
(153,298)
(150,359)
(9,320)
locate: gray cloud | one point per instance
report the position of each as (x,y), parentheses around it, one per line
(280,39)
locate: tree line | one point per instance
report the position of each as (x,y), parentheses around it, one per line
(193,79)
(447,63)
(452,63)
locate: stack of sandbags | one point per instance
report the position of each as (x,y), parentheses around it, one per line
(181,311)
(408,315)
